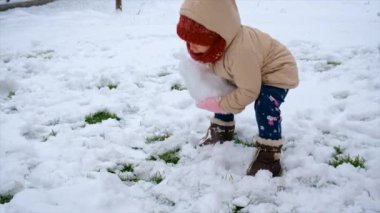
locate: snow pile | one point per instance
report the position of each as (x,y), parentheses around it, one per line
(200,80)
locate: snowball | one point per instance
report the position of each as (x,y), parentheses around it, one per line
(200,80)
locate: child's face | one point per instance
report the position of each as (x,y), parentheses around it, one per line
(198,49)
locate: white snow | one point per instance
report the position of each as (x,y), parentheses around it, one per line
(199,79)
(57,61)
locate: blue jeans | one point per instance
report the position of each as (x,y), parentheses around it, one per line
(268,113)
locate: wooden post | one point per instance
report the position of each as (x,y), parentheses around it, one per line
(118,5)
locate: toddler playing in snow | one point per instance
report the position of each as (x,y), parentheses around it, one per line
(259,68)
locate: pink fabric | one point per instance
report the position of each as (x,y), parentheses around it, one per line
(211,104)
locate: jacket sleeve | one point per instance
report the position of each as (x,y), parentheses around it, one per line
(245,69)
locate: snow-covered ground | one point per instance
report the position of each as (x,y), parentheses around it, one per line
(57,61)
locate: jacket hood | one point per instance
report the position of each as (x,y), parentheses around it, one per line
(220,16)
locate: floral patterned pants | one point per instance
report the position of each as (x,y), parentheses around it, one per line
(268,113)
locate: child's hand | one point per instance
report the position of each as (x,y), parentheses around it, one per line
(211,104)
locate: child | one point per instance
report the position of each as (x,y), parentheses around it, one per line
(261,69)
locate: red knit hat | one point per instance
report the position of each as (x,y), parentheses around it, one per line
(193,32)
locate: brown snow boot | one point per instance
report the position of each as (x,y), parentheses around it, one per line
(219,131)
(267,157)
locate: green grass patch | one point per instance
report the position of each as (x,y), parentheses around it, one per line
(244,143)
(123,168)
(124,172)
(5,198)
(132,178)
(237,209)
(178,87)
(110,86)
(157,137)
(157,178)
(334,63)
(11,94)
(338,150)
(127,168)
(170,156)
(339,158)
(100,116)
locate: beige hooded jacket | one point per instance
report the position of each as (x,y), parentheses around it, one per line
(251,58)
